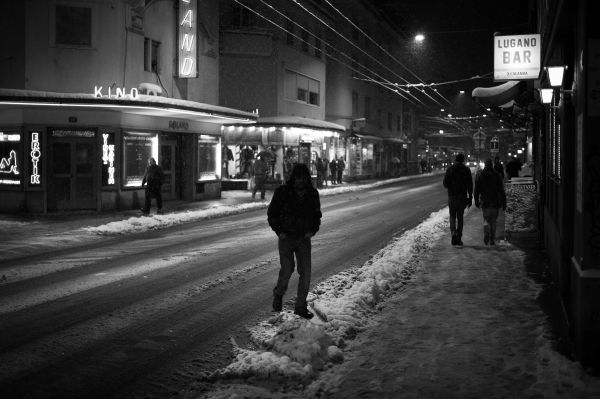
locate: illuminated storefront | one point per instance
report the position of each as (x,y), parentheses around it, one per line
(62,152)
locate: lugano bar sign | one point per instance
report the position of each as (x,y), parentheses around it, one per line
(187,45)
(517,57)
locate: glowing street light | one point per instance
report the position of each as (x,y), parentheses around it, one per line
(419,38)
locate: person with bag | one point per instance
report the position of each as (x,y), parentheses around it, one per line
(459,182)
(153,179)
(490,196)
(294,214)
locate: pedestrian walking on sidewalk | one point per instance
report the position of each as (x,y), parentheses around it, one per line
(294,214)
(341,165)
(153,179)
(459,182)
(260,171)
(490,196)
(333,170)
(498,167)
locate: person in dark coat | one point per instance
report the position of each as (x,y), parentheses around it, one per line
(498,167)
(260,172)
(459,182)
(333,170)
(340,166)
(294,214)
(490,196)
(153,179)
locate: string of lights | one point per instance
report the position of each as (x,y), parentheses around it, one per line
(381,48)
(409,85)
(297,2)
(328,55)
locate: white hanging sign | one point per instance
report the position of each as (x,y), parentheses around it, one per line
(517,57)
(187,38)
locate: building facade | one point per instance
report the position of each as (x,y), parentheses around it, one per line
(89,90)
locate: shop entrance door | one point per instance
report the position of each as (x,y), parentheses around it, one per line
(72,172)
(168,163)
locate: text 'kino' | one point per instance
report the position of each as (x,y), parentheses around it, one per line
(118,92)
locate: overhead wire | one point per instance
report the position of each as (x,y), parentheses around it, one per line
(396,91)
(381,48)
(297,2)
(340,52)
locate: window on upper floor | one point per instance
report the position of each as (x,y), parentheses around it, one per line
(242,17)
(73,25)
(151,55)
(398,123)
(379,118)
(389,124)
(367,108)
(318,51)
(301,88)
(354,104)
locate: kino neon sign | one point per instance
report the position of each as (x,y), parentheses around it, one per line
(187,39)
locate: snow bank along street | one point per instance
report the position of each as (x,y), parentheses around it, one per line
(420,319)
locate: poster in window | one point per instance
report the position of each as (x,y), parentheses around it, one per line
(207,157)
(137,148)
(10,158)
(108,158)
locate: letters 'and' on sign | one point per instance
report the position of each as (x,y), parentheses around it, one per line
(517,57)
(187,38)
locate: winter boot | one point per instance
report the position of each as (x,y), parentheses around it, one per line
(303,312)
(486,234)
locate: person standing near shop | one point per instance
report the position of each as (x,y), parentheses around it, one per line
(498,167)
(294,214)
(513,167)
(341,165)
(260,171)
(333,170)
(490,196)
(153,179)
(459,182)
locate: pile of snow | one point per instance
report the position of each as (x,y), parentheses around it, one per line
(295,350)
(520,209)
(155,222)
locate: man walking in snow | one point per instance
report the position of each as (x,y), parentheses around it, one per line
(341,165)
(459,182)
(260,171)
(294,214)
(490,196)
(153,177)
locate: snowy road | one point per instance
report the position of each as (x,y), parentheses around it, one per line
(143,314)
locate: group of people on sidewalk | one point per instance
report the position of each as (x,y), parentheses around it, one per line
(489,195)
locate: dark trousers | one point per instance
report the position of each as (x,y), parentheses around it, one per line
(153,193)
(339,175)
(457,205)
(259,184)
(490,221)
(298,248)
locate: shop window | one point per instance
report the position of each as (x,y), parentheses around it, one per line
(73,25)
(108,159)
(137,148)
(10,158)
(207,157)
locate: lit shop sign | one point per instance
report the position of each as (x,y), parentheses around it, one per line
(187,39)
(9,147)
(117,92)
(517,57)
(108,158)
(36,154)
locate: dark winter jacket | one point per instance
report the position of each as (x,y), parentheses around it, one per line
(458,181)
(260,169)
(295,216)
(499,169)
(512,168)
(154,177)
(489,189)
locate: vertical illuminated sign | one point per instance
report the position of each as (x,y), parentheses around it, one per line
(36,154)
(187,38)
(108,159)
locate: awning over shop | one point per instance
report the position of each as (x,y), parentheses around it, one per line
(498,95)
(298,121)
(130,102)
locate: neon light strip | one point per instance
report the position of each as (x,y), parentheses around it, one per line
(197,113)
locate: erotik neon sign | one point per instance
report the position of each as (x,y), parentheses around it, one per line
(9,169)
(36,154)
(187,39)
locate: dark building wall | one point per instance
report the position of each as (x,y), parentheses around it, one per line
(12,44)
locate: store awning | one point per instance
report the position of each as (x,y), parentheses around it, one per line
(498,95)
(138,104)
(300,122)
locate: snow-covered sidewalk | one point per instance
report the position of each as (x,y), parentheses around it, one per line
(422,319)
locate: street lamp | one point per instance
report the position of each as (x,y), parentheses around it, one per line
(419,38)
